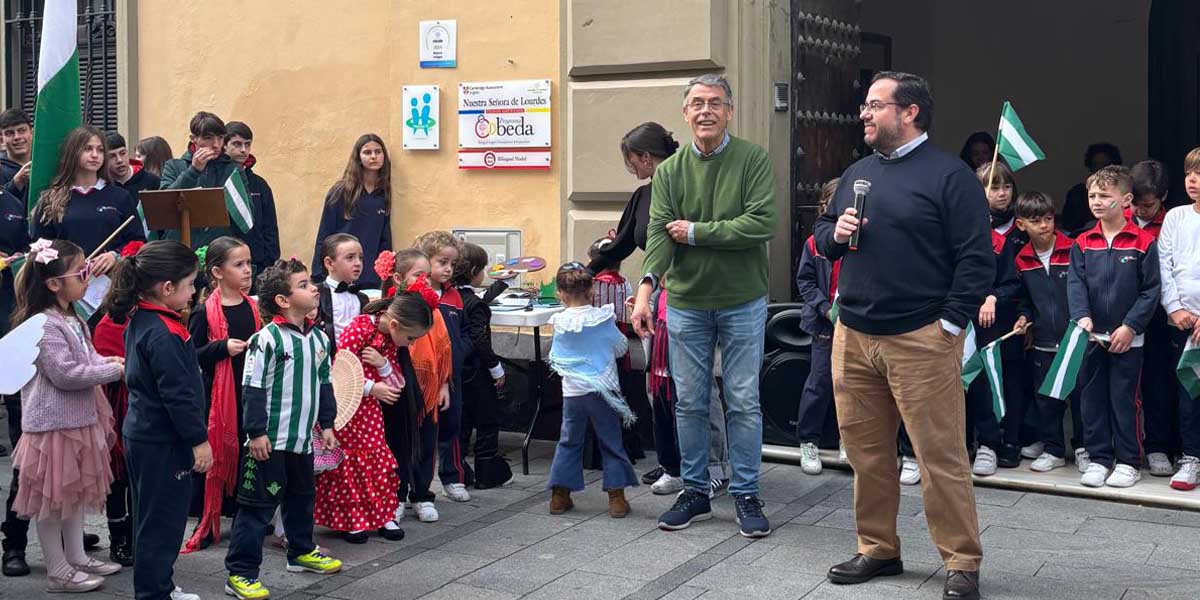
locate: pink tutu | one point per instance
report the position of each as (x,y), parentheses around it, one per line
(64,471)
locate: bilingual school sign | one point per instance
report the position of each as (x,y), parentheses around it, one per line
(504,125)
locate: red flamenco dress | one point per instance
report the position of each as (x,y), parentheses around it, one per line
(361,493)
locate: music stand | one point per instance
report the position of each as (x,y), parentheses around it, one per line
(182,210)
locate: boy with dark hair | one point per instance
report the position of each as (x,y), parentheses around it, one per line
(1042,267)
(204,165)
(1150,186)
(1112,291)
(263,237)
(16,134)
(340,297)
(127,173)
(283,362)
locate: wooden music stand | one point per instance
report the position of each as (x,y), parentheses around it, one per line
(182,210)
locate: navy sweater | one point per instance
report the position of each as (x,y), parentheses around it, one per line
(166,393)
(1043,299)
(925,253)
(1114,285)
(14,237)
(814,280)
(369,223)
(93,216)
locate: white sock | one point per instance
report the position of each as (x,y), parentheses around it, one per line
(278,523)
(391,526)
(50,534)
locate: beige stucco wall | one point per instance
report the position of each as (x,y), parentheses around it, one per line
(310,79)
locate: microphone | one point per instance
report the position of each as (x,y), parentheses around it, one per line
(861,188)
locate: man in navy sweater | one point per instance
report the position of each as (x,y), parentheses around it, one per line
(919,273)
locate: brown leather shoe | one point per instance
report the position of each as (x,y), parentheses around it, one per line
(961,585)
(560,500)
(618,506)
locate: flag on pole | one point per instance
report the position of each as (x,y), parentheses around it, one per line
(1189,368)
(987,360)
(1064,371)
(1014,144)
(57,111)
(237,201)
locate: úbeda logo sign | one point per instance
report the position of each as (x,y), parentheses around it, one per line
(504,124)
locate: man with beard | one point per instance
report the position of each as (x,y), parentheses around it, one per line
(915,279)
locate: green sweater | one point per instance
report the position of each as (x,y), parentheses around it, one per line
(730,197)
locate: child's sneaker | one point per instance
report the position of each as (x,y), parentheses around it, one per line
(1095,475)
(1188,475)
(245,588)
(667,484)
(985,462)
(1047,462)
(810,459)
(689,507)
(716,487)
(1160,464)
(314,562)
(457,492)
(1033,450)
(842,453)
(653,475)
(179,594)
(426,513)
(910,472)
(1082,460)
(1123,476)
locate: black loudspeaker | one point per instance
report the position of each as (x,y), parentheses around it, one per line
(784,371)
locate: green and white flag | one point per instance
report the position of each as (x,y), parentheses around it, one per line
(57,111)
(987,360)
(1014,143)
(1064,371)
(237,201)
(1189,369)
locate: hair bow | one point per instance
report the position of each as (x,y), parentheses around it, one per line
(421,286)
(202,257)
(42,252)
(385,263)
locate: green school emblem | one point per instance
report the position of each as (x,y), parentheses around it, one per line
(273,488)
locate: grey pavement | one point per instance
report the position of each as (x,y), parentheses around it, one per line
(504,545)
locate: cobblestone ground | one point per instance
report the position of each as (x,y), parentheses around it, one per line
(504,544)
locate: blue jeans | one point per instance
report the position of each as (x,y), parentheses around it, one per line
(694,336)
(567,469)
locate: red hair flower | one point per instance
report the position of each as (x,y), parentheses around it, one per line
(421,286)
(131,249)
(385,263)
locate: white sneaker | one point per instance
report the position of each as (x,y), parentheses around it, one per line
(1082,460)
(1047,462)
(1123,476)
(456,492)
(179,594)
(842,453)
(810,459)
(426,513)
(1188,475)
(910,473)
(1033,450)
(667,485)
(1095,475)
(1160,464)
(399,514)
(985,462)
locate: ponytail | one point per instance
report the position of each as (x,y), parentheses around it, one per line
(153,264)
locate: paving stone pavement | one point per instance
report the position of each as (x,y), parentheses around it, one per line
(504,545)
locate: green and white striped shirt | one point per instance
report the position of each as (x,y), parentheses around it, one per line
(289,367)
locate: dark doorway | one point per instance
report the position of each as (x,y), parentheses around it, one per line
(1174,87)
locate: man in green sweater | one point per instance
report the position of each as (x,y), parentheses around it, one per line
(712,212)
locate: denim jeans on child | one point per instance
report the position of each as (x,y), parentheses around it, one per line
(567,469)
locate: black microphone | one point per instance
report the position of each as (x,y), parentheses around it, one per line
(861,188)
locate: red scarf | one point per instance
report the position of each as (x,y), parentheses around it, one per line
(222,426)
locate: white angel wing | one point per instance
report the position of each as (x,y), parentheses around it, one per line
(18,350)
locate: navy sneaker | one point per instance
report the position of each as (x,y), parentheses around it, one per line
(689,506)
(750,517)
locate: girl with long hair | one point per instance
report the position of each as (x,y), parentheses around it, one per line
(360,204)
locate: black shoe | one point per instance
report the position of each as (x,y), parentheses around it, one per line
(652,475)
(14,564)
(90,541)
(961,585)
(121,553)
(863,568)
(391,535)
(3,450)
(1008,457)
(359,537)
(205,542)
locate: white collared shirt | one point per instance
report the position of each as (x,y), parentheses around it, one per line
(346,306)
(99,185)
(902,151)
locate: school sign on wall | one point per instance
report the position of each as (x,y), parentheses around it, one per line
(504,125)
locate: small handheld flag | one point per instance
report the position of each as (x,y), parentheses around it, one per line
(1014,143)
(1064,371)
(237,202)
(1189,369)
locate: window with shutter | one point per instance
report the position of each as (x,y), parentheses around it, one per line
(97,57)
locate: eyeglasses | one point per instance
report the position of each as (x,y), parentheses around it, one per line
(83,274)
(876,106)
(714,104)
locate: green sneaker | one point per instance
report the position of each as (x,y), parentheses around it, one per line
(246,589)
(314,562)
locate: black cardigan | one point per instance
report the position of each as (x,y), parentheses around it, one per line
(631,232)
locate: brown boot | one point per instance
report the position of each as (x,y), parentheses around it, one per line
(618,506)
(560,500)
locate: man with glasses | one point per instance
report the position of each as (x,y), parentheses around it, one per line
(712,212)
(919,272)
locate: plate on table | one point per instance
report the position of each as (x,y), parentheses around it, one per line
(514,267)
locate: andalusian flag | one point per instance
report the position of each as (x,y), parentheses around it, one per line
(1189,369)
(237,201)
(1064,371)
(987,360)
(1014,143)
(57,111)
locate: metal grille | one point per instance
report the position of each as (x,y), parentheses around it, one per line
(97,57)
